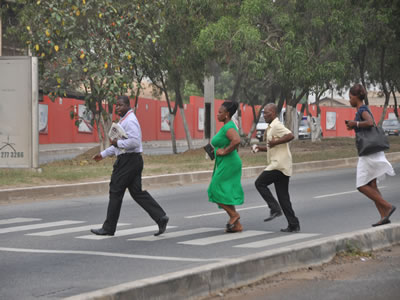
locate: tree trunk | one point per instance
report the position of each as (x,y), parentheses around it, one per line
(383,83)
(396,113)
(171,118)
(186,128)
(179,102)
(292,120)
(362,53)
(105,125)
(239,121)
(254,124)
(385,106)
(315,125)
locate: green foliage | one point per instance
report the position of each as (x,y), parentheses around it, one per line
(89,48)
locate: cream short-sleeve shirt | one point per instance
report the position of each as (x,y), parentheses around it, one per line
(278,157)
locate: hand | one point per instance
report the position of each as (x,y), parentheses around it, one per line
(97,157)
(255,148)
(350,124)
(114,142)
(220,152)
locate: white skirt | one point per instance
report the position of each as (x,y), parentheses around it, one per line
(373,166)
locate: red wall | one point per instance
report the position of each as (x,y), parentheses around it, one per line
(61,129)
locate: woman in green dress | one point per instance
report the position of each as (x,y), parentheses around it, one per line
(225,188)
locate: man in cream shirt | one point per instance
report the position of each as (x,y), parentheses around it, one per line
(279,169)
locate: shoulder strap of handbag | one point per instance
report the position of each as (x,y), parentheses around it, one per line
(361,118)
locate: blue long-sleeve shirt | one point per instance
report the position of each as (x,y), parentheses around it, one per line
(133,143)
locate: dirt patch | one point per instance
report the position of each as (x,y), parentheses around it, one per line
(343,267)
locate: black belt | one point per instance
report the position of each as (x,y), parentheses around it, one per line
(130,153)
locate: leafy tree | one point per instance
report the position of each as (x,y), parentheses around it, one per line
(93,48)
(173,61)
(383,48)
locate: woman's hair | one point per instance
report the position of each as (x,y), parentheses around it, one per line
(230,107)
(359,91)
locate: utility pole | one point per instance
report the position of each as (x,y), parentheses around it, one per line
(209,120)
(1,36)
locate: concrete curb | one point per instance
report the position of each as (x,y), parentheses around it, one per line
(205,280)
(101,187)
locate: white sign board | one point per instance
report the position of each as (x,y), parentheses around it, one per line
(19,132)
(330,120)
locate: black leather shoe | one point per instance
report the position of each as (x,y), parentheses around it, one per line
(162,225)
(291,228)
(101,231)
(273,215)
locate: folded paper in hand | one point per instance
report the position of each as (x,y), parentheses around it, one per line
(210,151)
(117,132)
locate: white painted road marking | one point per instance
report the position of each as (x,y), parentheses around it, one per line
(224,238)
(277,240)
(170,235)
(70,230)
(110,254)
(342,193)
(122,232)
(37,226)
(18,220)
(223,212)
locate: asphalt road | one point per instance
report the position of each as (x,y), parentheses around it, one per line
(47,251)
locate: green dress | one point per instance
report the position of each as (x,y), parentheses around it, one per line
(225,186)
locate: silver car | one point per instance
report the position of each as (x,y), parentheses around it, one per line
(304,129)
(391,127)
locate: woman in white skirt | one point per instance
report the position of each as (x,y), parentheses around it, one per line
(373,166)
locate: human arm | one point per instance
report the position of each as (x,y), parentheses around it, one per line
(366,122)
(234,137)
(282,140)
(110,151)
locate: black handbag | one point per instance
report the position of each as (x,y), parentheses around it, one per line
(371,140)
(210,151)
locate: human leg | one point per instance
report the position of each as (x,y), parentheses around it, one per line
(233,224)
(371,191)
(232,213)
(144,199)
(262,183)
(282,192)
(116,195)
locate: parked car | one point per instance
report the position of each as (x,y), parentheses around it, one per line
(304,129)
(391,127)
(261,127)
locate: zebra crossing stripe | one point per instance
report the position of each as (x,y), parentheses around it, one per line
(18,220)
(224,238)
(70,230)
(122,232)
(170,235)
(37,226)
(277,240)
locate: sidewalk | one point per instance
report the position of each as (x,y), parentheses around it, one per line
(77,147)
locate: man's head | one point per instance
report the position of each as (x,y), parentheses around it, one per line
(123,105)
(270,112)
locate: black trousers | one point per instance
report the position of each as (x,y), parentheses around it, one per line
(281,183)
(127,174)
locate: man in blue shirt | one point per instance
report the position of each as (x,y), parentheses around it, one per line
(127,173)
